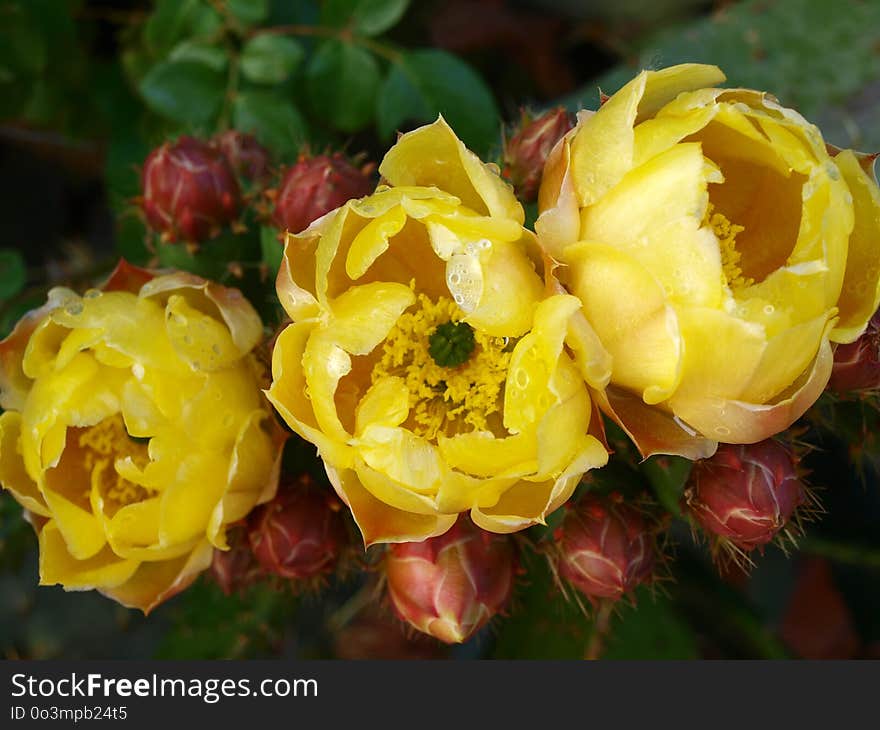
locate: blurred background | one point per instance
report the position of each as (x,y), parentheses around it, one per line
(89,87)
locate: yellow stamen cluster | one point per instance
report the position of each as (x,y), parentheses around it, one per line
(444,399)
(726,232)
(102,445)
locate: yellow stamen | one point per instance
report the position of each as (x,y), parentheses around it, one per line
(102,446)
(726,232)
(444,399)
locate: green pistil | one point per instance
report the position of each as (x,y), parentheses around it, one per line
(451,344)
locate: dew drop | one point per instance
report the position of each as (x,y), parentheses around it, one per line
(769,309)
(138,370)
(485,243)
(92,294)
(464,279)
(74,307)
(215,348)
(722,430)
(521,378)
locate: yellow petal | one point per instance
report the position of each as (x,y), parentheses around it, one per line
(721,353)
(655,136)
(558,224)
(188,502)
(380,523)
(58,565)
(386,403)
(289,393)
(325,364)
(860,295)
(482,454)
(13,475)
(663,86)
(602,147)
(640,330)
(433,156)
(403,457)
(295,283)
(229,304)
(510,292)
(156,582)
(203,342)
(364,315)
(739,422)
(372,241)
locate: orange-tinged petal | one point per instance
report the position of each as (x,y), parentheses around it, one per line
(734,421)
(860,295)
(558,224)
(154,583)
(13,475)
(379,522)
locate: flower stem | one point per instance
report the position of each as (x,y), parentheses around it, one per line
(601,627)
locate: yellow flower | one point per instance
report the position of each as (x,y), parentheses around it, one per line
(134,431)
(718,248)
(425,360)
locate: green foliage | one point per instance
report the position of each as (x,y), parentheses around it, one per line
(342,81)
(275,121)
(13,273)
(368,17)
(430,82)
(270,59)
(183,91)
(272,249)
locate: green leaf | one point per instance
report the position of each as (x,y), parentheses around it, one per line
(213,257)
(13,272)
(668,476)
(272,248)
(248,12)
(212,56)
(169,23)
(270,59)
(367,17)
(430,82)
(183,91)
(272,119)
(342,81)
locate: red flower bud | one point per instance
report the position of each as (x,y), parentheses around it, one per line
(235,569)
(745,494)
(189,190)
(526,152)
(247,157)
(299,534)
(857,365)
(606,548)
(315,186)
(450,586)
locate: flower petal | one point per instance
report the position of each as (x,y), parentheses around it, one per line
(104,569)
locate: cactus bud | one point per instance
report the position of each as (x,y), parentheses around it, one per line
(247,157)
(857,365)
(527,150)
(450,586)
(189,190)
(745,493)
(300,533)
(235,569)
(315,186)
(605,548)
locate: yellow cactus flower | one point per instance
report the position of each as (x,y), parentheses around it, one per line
(425,359)
(719,248)
(134,431)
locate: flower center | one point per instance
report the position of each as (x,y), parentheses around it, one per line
(102,445)
(726,232)
(455,375)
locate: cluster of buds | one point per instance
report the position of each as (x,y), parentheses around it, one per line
(528,148)
(745,494)
(605,548)
(315,185)
(857,365)
(452,585)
